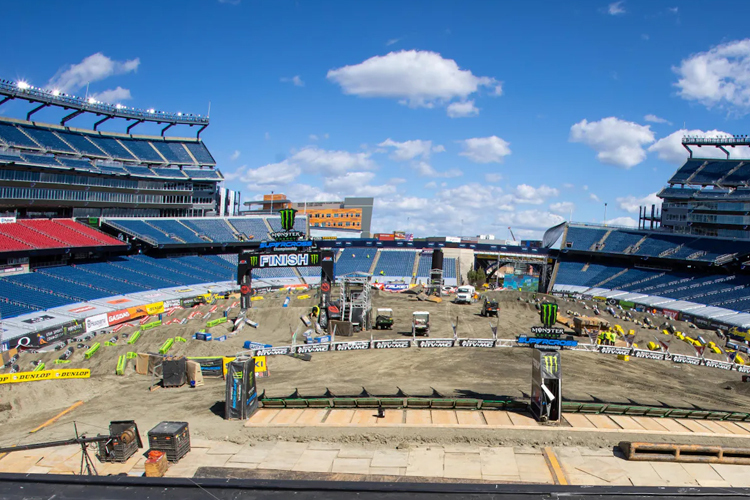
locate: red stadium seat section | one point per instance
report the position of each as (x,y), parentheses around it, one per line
(30,234)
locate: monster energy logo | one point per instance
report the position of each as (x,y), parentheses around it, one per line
(550,364)
(548,314)
(314,259)
(253,260)
(287,218)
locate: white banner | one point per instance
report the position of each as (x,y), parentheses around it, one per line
(96,322)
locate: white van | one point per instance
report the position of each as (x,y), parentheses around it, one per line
(465,294)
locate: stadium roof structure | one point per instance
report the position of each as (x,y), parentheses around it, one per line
(46,98)
(717,142)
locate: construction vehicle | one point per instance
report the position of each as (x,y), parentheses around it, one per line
(420,324)
(384,319)
(489,307)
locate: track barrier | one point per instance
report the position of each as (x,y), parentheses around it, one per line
(131,355)
(121,361)
(215,322)
(151,325)
(166,346)
(38,367)
(133,338)
(179,339)
(12,378)
(92,350)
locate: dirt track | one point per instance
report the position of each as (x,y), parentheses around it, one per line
(471,372)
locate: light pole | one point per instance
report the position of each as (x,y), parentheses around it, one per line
(605,214)
(460,236)
(271,212)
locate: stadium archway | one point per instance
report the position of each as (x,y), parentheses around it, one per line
(281,254)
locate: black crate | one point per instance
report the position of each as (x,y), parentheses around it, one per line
(176,455)
(169,436)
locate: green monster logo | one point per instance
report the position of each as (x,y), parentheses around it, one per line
(550,363)
(254,260)
(287,218)
(313,259)
(548,314)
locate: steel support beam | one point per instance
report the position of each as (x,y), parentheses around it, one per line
(70,116)
(28,115)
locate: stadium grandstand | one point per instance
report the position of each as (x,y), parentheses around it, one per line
(691,258)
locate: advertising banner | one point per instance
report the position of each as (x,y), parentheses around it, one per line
(426,343)
(155,308)
(12,378)
(96,322)
(476,343)
(671,314)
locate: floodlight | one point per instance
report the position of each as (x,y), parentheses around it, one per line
(118,106)
(22,85)
(55,92)
(92,100)
(151,110)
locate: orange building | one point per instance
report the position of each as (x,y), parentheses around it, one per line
(344,218)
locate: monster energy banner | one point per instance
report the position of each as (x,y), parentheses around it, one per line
(287,233)
(546,365)
(548,314)
(241,396)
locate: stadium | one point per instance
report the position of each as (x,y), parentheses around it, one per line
(114,244)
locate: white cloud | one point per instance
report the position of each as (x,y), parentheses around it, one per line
(720,76)
(656,119)
(416,78)
(585,187)
(296,80)
(594,197)
(316,160)
(112,96)
(644,36)
(673,10)
(485,149)
(425,170)
(266,177)
(568,185)
(313,137)
(266,136)
(235,155)
(431,185)
(529,219)
(462,109)
(622,221)
(616,8)
(357,184)
(534,196)
(408,150)
(562,207)
(670,148)
(94,68)
(631,204)
(493,177)
(392,41)
(617,142)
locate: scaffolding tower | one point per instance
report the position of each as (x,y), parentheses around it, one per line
(435,283)
(356,305)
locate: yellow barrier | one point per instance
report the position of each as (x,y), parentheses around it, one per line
(13,378)
(259,297)
(652,346)
(302,297)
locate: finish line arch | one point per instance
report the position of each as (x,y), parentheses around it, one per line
(286,254)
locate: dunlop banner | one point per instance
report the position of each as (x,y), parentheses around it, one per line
(155,308)
(12,378)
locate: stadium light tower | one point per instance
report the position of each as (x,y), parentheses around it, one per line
(605,213)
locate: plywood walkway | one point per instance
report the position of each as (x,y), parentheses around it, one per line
(578,422)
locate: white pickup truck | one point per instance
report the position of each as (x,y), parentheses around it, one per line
(465,294)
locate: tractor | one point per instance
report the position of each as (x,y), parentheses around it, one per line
(384,319)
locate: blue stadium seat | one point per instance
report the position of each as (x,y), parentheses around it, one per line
(82,275)
(47,139)
(200,153)
(169,172)
(216,229)
(143,150)
(688,169)
(140,171)
(251,226)
(739,177)
(14,137)
(173,152)
(395,263)
(619,240)
(581,238)
(10,309)
(79,164)
(713,171)
(41,160)
(112,148)
(48,283)
(175,270)
(205,173)
(82,144)
(355,260)
(138,228)
(173,227)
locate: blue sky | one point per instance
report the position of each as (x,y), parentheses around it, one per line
(473,115)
